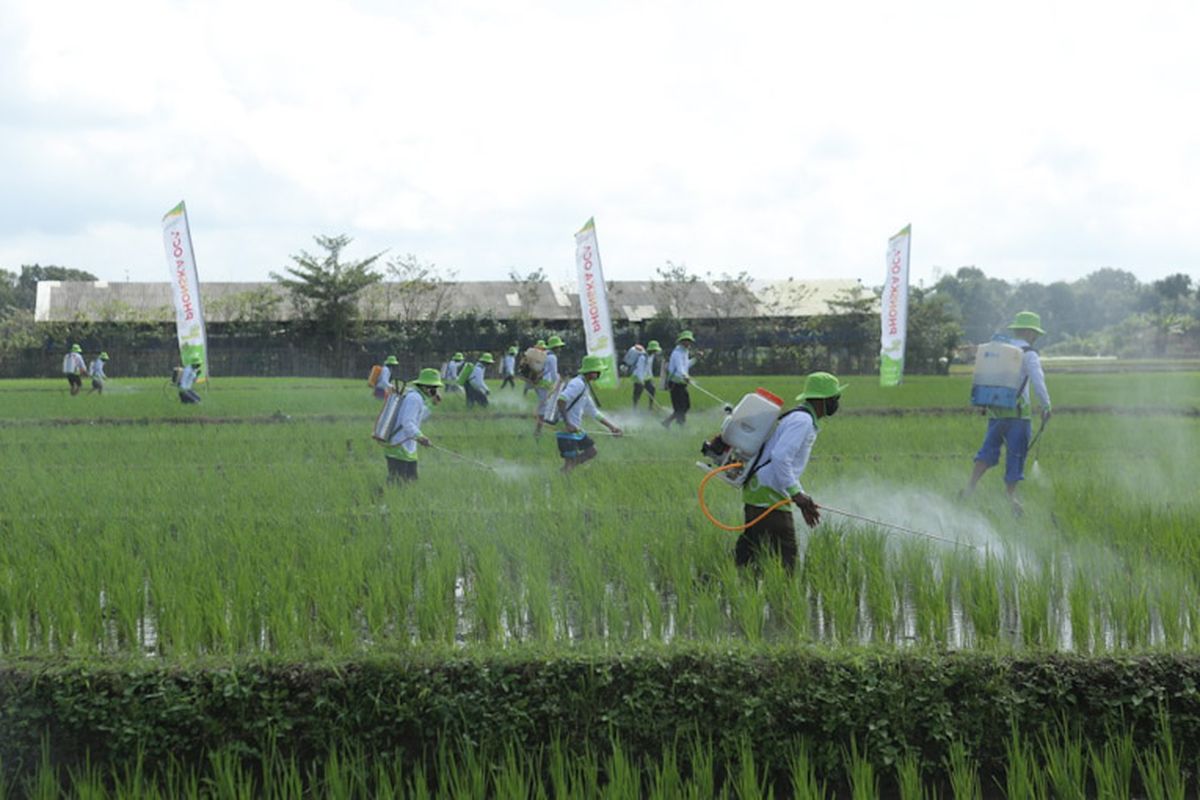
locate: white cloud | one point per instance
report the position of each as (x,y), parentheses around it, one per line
(1036,140)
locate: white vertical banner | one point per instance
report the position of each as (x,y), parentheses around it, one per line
(593,301)
(894,310)
(185,288)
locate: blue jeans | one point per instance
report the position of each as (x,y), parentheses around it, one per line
(1014,434)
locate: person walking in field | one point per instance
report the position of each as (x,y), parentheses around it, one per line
(643,373)
(74,368)
(416,405)
(384,381)
(574,403)
(476,388)
(540,344)
(187,379)
(774,476)
(1013,427)
(508,368)
(548,383)
(678,377)
(96,370)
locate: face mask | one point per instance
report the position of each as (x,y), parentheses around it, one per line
(831,405)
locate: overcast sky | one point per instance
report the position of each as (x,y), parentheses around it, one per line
(1037,140)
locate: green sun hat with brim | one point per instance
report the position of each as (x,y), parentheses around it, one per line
(457,357)
(429,377)
(486,358)
(819,386)
(1026,320)
(104,356)
(391,361)
(593,363)
(685,336)
(554,341)
(653,346)
(512,351)
(540,343)
(76,348)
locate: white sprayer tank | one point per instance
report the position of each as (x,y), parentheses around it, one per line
(997,378)
(752,420)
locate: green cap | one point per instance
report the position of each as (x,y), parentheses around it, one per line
(76,348)
(391,361)
(685,336)
(1026,320)
(104,356)
(592,363)
(820,385)
(652,346)
(540,343)
(512,351)
(554,341)
(457,357)
(429,377)
(486,358)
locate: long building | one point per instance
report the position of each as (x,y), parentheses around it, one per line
(631,301)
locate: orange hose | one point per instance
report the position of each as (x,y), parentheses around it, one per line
(722,525)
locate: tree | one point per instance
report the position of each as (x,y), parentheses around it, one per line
(26,285)
(418,292)
(850,331)
(8,290)
(737,299)
(325,291)
(979,302)
(1172,290)
(933,331)
(672,288)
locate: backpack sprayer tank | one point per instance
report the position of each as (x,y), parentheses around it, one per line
(743,433)
(997,379)
(385,423)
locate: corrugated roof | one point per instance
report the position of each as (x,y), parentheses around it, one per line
(60,301)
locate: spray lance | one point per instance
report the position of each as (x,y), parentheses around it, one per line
(727,407)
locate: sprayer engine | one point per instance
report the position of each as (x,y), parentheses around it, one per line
(743,433)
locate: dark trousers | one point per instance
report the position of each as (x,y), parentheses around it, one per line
(475,397)
(775,534)
(400,471)
(508,381)
(646,386)
(681,401)
(188,396)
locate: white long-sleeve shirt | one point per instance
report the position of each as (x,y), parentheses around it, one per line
(578,402)
(508,366)
(550,369)
(187,378)
(412,413)
(385,377)
(643,367)
(73,364)
(1031,375)
(784,458)
(477,376)
(97,370)
(451,372)
(680,365)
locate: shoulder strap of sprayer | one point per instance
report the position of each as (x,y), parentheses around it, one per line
(758,463)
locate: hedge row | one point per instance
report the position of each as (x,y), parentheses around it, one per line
(888,702)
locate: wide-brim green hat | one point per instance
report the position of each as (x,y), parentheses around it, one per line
(391,361)
(104,356)
(512,351)
(685,336)
(653,346)
(540,343)
(1026,320)
(821,385)
(554,341)
(486,358)
(429,377)
(457,357)
(76,348)
(593,363)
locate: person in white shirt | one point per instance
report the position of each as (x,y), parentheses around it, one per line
(187,379)
(1013,427)
(74,368)
(384,381)
(96,370)
(774,475)
(416,405)
(548,384)
(574,403)
(476,388)
(508,368)
(643,373)
(450,372)
(678,377)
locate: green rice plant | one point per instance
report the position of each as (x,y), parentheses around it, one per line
(963,772)
(746,781)
(515,776)
(702,768)
(909,784)
(979,583)
(1023,778)
(1112,766)
(1065,762)
(802,772)
(622,778)
(1081,602)
(860,773)
(1160,768)
(879,592)
(749,605)
(1034,599)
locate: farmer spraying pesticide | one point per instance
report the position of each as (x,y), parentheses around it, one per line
(643,372)
(548,384)
(678,377)
(74,368)
(450,372)
(508,368)
(97,372)
(574,403)
(477,391)
(399,425)
(381,381)
(187,379)
(1004,370)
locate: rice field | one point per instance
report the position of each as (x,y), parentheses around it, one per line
(261,522)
